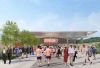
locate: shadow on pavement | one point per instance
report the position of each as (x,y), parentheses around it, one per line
(52,65)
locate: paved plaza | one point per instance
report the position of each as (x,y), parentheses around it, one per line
(23,63)
(58,63)
(55,63)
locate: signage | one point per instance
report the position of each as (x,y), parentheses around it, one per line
(50,40)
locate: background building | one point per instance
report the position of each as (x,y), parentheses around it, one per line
(53,38)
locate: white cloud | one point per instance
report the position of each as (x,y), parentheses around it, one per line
(50,22)
(88,23)
(53,22)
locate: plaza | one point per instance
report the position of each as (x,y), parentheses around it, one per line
(56,63)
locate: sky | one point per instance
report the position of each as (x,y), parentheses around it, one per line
(52,15)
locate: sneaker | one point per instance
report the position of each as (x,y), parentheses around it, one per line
(71,64)
(48,64)
(84,64)
(90,62)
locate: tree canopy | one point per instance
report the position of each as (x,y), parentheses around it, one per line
(27,38)
(12,35)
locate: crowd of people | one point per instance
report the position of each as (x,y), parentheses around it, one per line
(46,53)
(69,53)
(8,53)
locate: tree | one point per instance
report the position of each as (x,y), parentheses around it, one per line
(37,41)
(27,38)
(90,40)
(10,33)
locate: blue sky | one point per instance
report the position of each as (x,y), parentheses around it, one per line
(52,15)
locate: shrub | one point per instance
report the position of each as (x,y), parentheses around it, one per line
(98,48)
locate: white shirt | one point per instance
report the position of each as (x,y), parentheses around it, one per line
(71,50)
(4,51)
(84,50)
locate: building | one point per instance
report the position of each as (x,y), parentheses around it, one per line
(51,38)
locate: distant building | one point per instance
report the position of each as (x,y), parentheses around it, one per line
(51,38)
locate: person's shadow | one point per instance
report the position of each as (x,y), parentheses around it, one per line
(52,65)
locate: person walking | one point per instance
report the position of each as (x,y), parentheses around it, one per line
(75,54)
(54,51)
(65,55)
(48,55)
(4,56)
(94,52)
(89,54)
(71,53)
(33,49)
(59,52)
(85,53)
(26,51)
(9,54)
(17,52)
(39,55)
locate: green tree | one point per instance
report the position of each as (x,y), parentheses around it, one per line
(27,38)
(10,33)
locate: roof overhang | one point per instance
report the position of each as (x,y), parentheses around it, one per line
(69,34)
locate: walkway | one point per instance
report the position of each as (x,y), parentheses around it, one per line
(58,63)
(24,63)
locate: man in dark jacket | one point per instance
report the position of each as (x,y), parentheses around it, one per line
(9,54)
